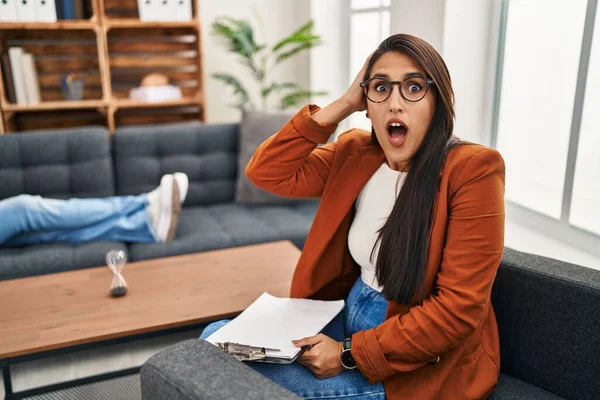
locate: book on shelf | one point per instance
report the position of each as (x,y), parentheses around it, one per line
(32,86)
(14,54)
(9,85)
(26,10)
(73,9)
(78,9)
(165,10)
(23,87)
(45,10)
(8,11)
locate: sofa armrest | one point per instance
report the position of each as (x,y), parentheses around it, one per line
(195,369)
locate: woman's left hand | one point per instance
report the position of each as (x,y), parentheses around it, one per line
(323,359)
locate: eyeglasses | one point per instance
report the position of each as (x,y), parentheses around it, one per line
(412,89)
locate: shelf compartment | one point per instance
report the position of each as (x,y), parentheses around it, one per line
(134,53)
(55,119)
(57,53)
(150,116)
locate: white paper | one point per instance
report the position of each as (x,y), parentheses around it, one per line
(274,322)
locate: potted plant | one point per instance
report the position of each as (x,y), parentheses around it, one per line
(238,36)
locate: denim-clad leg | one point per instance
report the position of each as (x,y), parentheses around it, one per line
(365,308)
(32,219)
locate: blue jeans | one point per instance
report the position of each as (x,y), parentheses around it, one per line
(365,308)
(29,220)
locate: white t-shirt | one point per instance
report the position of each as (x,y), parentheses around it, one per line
(373,207)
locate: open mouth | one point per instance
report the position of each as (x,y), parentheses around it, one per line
(397,131)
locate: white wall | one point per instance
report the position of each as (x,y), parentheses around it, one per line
(466,39)
(280,18)
(422,18)
(329,61)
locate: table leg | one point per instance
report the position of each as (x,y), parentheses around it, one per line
(6,374)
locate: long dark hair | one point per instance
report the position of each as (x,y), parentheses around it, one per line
(402,258)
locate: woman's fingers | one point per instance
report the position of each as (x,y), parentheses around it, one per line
(311,340)
(355,95)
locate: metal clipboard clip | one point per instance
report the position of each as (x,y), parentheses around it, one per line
(244,352)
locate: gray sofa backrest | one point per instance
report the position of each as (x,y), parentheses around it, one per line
(548,315)
(74,162)
(206,153)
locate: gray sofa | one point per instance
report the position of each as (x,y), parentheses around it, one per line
(88,162)
(547,313)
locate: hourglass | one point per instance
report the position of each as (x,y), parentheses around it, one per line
(116,260)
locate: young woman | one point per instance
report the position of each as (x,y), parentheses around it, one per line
(410,231)
(149,217)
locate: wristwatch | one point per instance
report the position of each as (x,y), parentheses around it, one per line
(346,359)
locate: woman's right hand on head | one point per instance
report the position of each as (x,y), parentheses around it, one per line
(350,102)
(355,95)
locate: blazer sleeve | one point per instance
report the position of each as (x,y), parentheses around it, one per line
(472,254)
(289,163)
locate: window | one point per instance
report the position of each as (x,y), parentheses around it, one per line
(545,114)
(369,25)
(585,203)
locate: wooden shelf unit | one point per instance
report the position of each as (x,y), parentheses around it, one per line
(113,50)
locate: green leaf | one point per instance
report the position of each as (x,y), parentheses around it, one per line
(236,85)
(300,35)
(237,35)
(303,46)
(297,97)
(278,86)
(256,72)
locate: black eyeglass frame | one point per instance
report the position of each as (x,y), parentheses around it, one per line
(365,85)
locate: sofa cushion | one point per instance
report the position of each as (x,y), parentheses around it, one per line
(510,388)
(206,153)
(19,262)
(228,225)
(197,370)
(61,163)
(255,128)
(547,313)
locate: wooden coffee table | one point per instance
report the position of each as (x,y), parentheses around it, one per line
(47,315)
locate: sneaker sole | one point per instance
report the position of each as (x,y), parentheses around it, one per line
(166,196)
(175,211)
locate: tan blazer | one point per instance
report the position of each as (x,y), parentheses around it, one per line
(455,321)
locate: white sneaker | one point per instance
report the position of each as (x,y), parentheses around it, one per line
(164,207)
(183,183)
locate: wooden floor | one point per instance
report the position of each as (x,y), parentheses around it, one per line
(90,362)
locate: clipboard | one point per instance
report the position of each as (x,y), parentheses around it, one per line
(244,352)
(264,331)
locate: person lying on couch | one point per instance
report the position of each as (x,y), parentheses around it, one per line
(148,217)
(418,322)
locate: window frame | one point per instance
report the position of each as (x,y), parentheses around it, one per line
(348,12)
(560,229)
